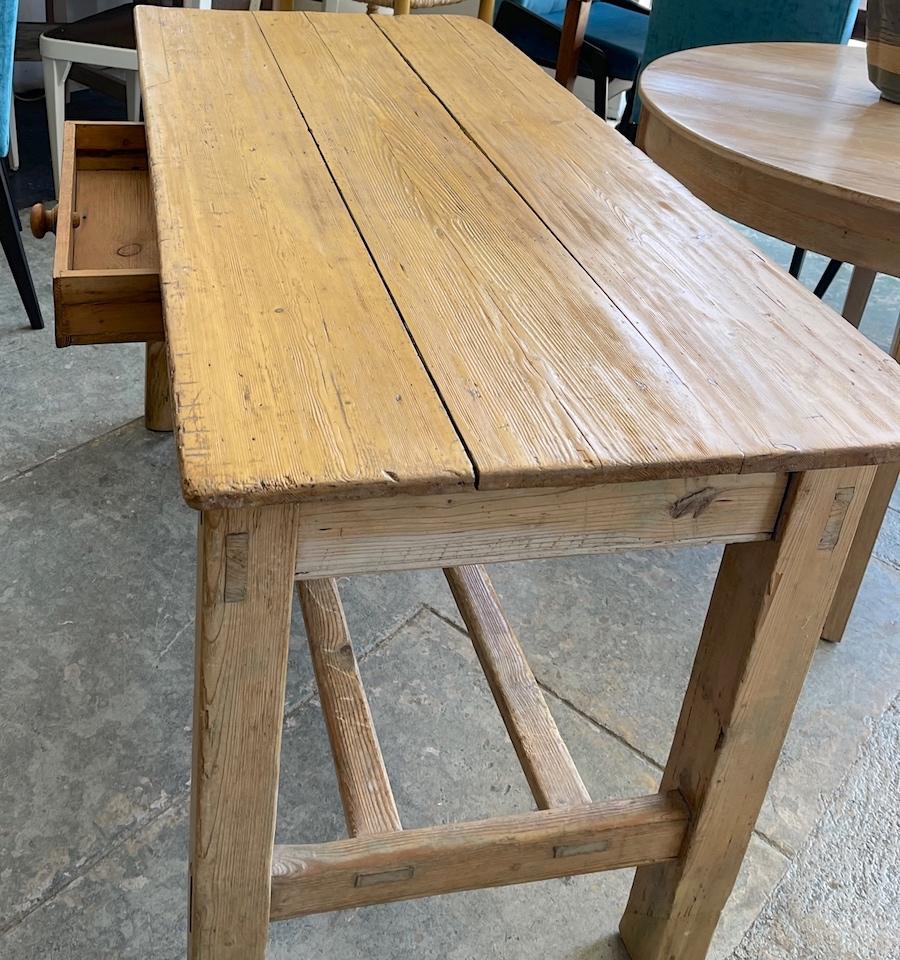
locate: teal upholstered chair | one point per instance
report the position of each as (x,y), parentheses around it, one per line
(628,37)
(10,226)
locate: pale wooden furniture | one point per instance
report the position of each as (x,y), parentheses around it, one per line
(817,166)
(418,314)
(400,7)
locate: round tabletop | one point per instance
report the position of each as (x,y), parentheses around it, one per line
(787,138)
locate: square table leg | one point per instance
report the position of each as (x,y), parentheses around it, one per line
(764,620)
(866,535)
(246,561)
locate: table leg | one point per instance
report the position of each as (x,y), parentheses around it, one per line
(157,402)
(861,282)
(246,561)
(762,627)
(864,541)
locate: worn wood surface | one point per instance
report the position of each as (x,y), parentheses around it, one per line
(106,269)
(546,762)
(782,373)
(565,348)
(763,624)
(292,373)
(487,853)
(818,164)
(363,783)
(406,532)
(244,592)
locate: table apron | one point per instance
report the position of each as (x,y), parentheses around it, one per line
(417,532)
(806,215)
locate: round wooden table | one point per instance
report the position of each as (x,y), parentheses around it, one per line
(790,139)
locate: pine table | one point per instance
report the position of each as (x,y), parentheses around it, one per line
(408,304)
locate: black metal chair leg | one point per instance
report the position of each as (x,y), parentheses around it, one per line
(829,275)
(797,259)
(11,238)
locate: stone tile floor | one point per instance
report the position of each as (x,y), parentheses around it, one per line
(95,689)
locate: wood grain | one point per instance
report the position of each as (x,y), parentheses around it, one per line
(787,379)
(546,379)
(816,167)
(546,762)
(763,624)
(409,533)
(291,372)
(464,856)
(157,401)
(240,672)
(106,270)
(365,790)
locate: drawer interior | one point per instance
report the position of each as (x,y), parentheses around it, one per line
(106,270)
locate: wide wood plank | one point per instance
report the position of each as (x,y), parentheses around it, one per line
(545,378)
(781,373)
(292,373)
(521,848)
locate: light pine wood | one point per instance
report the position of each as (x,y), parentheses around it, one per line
(291,372)
(362,779)
(157,404)
(546,762)
(864,542)
(106,263)
(546,379)
(763,624)
(795,378)
(244,588)
(861,283)
(407,533)
(465,856)
(818,164)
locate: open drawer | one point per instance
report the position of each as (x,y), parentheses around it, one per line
(106,267)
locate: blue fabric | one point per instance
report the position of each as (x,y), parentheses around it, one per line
(679,25)
(620,33)
(9,11)
(630,39)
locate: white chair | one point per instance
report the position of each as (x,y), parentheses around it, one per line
(103,40)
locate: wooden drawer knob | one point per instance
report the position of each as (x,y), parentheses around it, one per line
(43,221)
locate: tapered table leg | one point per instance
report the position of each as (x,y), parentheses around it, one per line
(864,542)
(245,577)
(762,627)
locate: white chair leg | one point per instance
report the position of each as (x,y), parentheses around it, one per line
(13,155)
(55,74)
(133,94)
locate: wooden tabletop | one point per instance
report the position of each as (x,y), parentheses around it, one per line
(395,256)
(787,137)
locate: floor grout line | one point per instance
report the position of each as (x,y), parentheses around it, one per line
(888,563)
(593,721)
(91,861)
(180,796)
(776,845)
(60,454)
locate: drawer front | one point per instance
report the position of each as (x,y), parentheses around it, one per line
(106,266)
